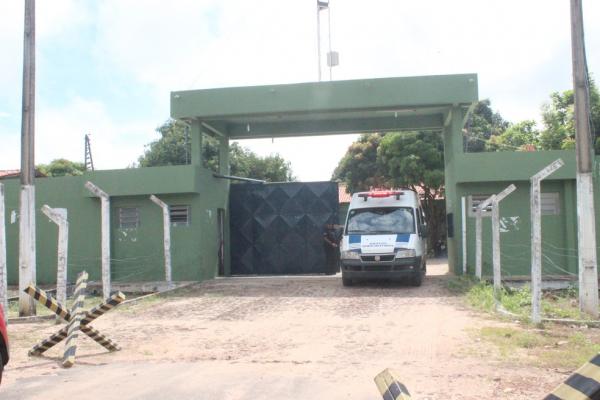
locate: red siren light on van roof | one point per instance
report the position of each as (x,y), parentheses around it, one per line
(381,194)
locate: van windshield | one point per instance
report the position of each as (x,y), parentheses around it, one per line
(381,220)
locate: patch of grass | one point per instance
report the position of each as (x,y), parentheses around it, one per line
(560,304)
(558,348)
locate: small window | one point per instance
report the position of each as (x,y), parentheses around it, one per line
(180,215)
(475,200)
(550,203)
(129,217)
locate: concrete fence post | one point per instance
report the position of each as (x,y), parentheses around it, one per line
(496,236)
(463,204)
(166,237)
(3,274)
(59,217)
(478,235)
(105,235)
(536,239)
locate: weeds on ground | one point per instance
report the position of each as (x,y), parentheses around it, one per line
(561,304)
(557,348)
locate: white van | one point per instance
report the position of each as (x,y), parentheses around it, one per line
(384,237)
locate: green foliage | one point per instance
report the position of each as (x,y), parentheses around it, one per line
(517,136)
(62,167)
(558,118)
(174,148)
(359,168)
(483,125)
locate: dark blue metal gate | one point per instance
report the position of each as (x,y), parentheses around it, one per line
(277,228)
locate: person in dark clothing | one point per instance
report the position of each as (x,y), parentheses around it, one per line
(332,235)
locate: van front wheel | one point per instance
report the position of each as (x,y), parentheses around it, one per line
(417,279)
(347,281)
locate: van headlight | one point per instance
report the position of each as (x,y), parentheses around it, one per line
(406,253)
(350,255)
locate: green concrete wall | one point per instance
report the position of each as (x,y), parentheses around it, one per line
(137,254)
(487,173)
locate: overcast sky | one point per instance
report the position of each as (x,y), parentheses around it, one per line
(106,67)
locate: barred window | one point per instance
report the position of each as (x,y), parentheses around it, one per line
(129,217)
(550,203)
(180,215)
(475,200)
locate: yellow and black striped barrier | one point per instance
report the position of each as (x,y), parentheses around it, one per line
(77,319)
(90,316)
(75,323)
(583,384)
(389,386)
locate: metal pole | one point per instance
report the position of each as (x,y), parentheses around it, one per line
(3,274)
(463,205)
(329,37)
(105,235)
(496,237)
(167,237)
(536,239)
(27,261)
(478,235)
(586,227)
(319,38)
(59,217)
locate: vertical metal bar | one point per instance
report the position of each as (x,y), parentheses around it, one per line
(319,39)
(588,270)
(3,274)
(464,234)
(478,244)
(27,261)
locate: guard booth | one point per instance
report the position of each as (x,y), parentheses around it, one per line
(428,103)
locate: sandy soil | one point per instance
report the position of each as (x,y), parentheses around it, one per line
(279,338)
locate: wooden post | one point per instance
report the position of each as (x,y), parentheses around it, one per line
(59,217)
(27,261)
(478,235)
(3,274)
(496,237)
(586,226)
(166,237)
(464,234)
(105,238)
(536,239)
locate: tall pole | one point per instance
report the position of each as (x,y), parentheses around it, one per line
(27,261)
(166,237)
(3,275)
(497,266)
(319,37)
(586,228)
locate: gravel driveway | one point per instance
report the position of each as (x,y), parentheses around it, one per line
(280,338)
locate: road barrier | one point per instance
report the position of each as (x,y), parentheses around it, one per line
(583,384)
(76,318)
(389,386)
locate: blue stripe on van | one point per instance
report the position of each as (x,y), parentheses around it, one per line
(403,237)
(354,239)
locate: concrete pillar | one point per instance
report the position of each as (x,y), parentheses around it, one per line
(196,138)
(223,155)
(453,148)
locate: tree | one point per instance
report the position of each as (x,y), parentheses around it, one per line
(62,167)
(520,136)
(482,126)
(358,168)
(174,148)
(559,123)
(416,160)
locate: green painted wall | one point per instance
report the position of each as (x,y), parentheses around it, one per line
(137,254)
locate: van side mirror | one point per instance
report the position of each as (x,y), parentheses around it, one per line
(423,230)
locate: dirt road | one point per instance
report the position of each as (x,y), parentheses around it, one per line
(280,338)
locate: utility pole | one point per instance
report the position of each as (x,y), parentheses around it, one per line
(27,261)
(586,226)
